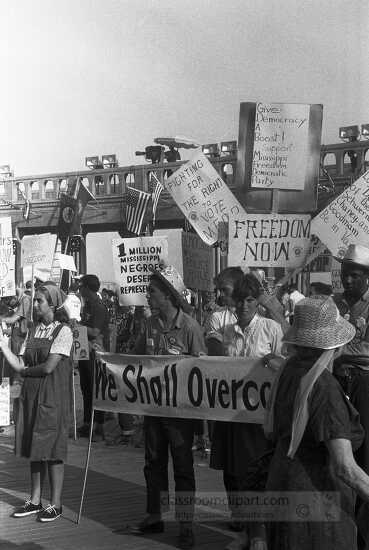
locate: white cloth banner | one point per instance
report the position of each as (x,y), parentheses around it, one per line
(345,220)
(214,388)
(269,240)
(203,197)
(134,260)
(7,258)
(280,145)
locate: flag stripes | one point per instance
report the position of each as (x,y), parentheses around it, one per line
(136,206)
(156,193)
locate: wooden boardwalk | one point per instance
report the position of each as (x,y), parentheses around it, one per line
(114,499)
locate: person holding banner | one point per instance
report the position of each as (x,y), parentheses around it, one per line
(42,423)
(169,331)
(241,450)
(316,429)
(95,317)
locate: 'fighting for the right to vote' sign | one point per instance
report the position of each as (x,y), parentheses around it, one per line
(203,197)
(345,220)
(269,240)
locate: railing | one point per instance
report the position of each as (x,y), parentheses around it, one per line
(102,183)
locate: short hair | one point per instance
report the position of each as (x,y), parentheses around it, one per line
(249,285)
(91,282)
(234,274)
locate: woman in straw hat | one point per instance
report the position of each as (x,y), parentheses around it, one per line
(316,430)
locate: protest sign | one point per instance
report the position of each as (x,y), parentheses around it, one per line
(280,145)
(5,402)
(80,343)
(269,240)
(133,261)
(345,220)
(39,251)
(198,263)
(336,276)
(214,388)
(203,197)
(7,258)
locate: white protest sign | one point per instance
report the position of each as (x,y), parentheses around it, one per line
(273,240)
(203,197)
(7,258)
(80,343)
(133,261)
(198,263)
(280,145)
(39,251)
(336,276)
(213,388)
(345,220)
(64,261)
(5,402)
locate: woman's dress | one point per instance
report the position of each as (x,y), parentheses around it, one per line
(43,418)
(331,416)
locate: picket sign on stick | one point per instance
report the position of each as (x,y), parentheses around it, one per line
(203,197)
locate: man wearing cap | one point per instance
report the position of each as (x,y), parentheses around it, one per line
(352,367)
(169,331)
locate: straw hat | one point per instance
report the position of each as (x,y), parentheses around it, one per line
(170,277)
(356,254)
(318,324)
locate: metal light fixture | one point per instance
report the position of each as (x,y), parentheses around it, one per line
(349,133)
(228,147)
(109,161)
(93,163)
(5,172)
(211,150)
(365,131)
(152,153)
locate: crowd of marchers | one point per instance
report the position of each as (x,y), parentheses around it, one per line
(315,436)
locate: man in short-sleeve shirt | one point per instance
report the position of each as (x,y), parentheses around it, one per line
(95,317)
(170,330)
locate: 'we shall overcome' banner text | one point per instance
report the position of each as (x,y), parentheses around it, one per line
(214,388)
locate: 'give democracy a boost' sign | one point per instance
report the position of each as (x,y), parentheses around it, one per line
(213,388)
(203,197)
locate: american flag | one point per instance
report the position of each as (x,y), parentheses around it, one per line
(156,193)
(136,206)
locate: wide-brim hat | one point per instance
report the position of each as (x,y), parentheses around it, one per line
(318,324)
(355,254)
(173,281)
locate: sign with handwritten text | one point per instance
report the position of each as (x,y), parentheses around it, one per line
(203,197)
(345,220)
(7,258)
(198,272)
(270,240)
(280,145)
(39,251)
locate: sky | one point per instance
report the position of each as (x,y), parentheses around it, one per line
(97,77)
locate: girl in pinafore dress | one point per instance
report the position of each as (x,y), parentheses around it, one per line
(41,432)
